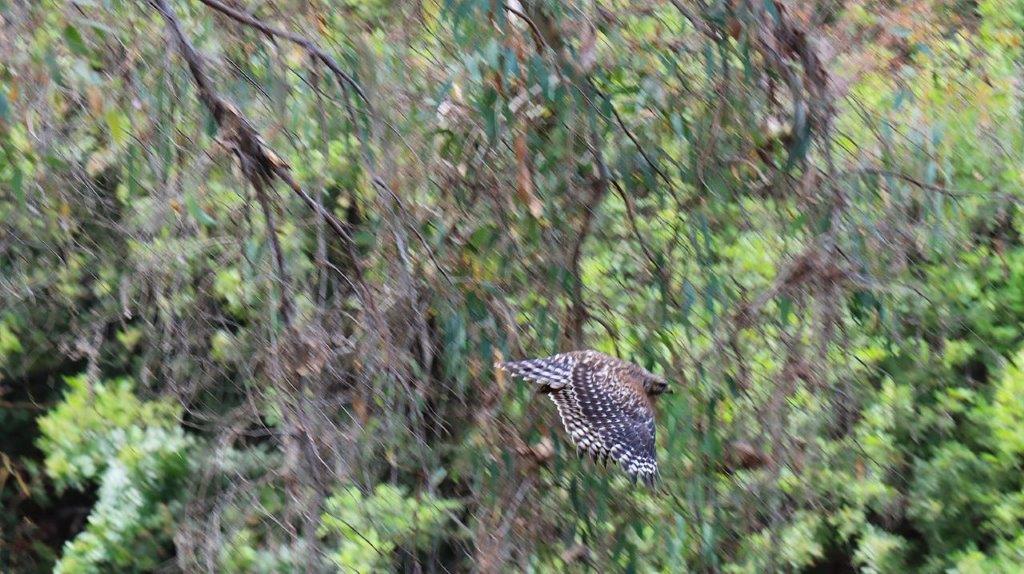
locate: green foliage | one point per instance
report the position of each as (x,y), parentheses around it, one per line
(244,554)
(136,454)
(643,179)
(879,551)
(947,495)
(369,528)
(9,343)
(1003,416)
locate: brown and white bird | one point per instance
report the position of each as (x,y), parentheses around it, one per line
(605,405)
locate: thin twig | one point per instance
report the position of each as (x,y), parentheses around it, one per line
(302,41)
(275,246)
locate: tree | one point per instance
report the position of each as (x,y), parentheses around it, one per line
(259,258)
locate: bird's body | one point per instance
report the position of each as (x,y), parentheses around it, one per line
(605,405)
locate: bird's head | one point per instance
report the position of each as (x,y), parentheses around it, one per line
(655,385)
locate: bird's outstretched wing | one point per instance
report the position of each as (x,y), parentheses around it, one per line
(553,373)
(605,413)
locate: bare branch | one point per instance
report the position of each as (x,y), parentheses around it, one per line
(259,163)
(307,44)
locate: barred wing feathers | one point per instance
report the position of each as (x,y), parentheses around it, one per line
(602,405)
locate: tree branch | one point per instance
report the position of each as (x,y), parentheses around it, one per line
(305,43)
(260,165)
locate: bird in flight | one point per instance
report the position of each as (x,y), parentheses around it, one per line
(605,405)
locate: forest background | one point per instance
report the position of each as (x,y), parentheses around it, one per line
(258,257)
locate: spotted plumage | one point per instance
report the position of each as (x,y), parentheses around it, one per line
(605,405)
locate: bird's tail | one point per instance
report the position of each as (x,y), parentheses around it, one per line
(641,470)
(552,373)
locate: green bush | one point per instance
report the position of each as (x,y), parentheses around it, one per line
(368,529)
(136,454)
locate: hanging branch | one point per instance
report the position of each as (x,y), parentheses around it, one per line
(345,82)
(578,312)
(259,164)
(287,310)
(305,43)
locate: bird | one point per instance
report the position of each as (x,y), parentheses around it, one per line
(605,405)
